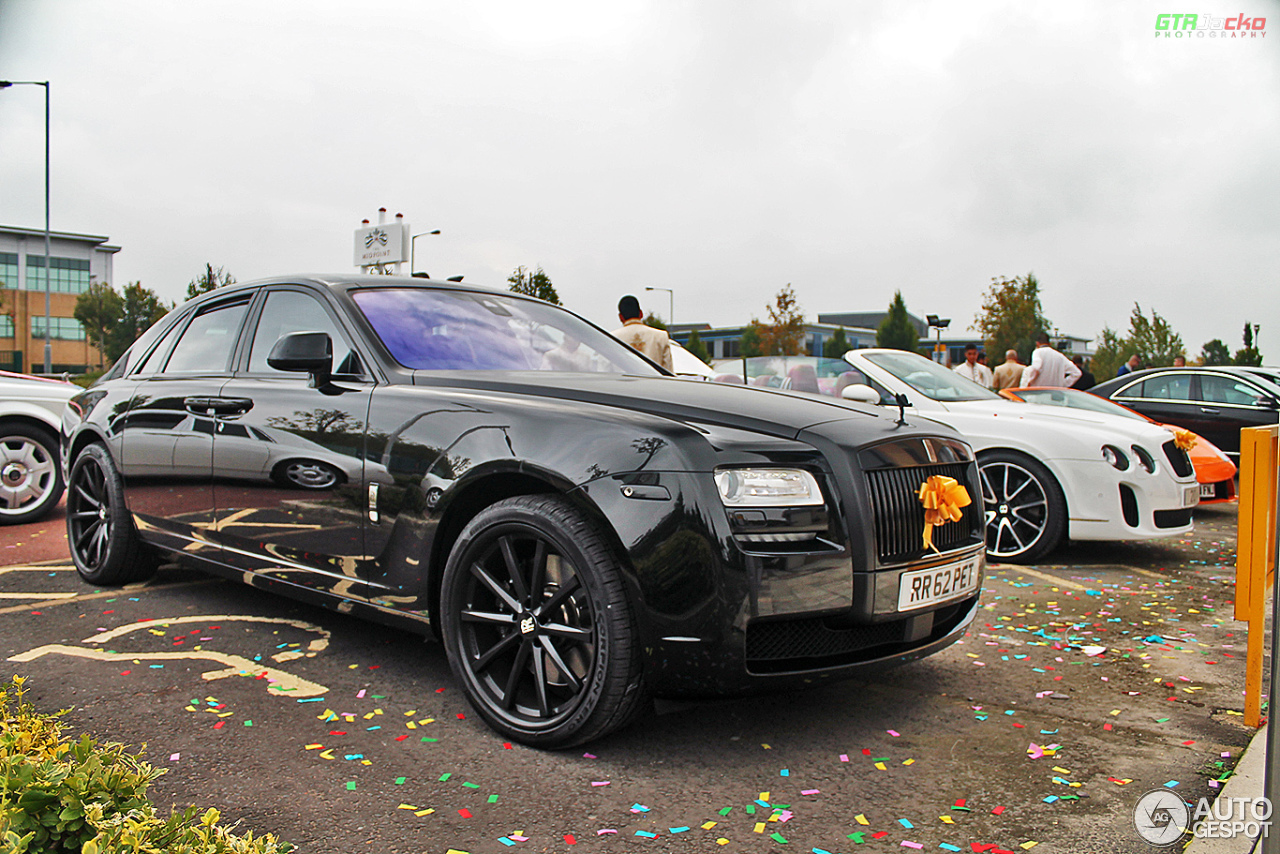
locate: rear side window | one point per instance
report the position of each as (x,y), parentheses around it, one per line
(206,344)
(1168,387)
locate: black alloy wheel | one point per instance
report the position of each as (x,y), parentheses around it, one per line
(537,625)
(1026,514)
(103,543)
(30,478)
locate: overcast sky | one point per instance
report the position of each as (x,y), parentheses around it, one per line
(720,149)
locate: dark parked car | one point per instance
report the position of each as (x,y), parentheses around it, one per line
(581,541)
(1214,402)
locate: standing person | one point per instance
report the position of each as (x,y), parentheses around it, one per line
(1049,367)
(1129,366)
(652,342)
(972,369)
(1179,361)
(1008,375)
(1087,379)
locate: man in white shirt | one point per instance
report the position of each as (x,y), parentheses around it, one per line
(1049,367)
(972,369)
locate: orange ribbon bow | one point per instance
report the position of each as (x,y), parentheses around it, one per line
(942,498)
(1184,439)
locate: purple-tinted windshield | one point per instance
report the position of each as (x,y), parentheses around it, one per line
(445,330)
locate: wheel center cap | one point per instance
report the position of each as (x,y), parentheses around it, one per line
(528,624)
(13,474)
(1004,509)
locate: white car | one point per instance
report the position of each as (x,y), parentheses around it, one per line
(30,474)
(1048,473)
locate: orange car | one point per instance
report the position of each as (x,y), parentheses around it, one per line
(1214,470)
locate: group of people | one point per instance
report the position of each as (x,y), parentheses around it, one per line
(1048,368)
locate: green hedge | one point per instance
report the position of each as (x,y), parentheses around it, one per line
(85,797)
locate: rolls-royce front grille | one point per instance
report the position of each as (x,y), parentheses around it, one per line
(899,515)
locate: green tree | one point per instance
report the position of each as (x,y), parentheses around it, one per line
(209,280)
(1153,339)
(139,308)
(535,284)
(656,322)
(1215,353)
(837,345)
(1109,354)
(1012,315)
(896,330)
(697,348)
(99,310)
(1249,354)
(783,335)
(749,344)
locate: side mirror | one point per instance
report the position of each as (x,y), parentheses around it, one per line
(309,352)
(860,392)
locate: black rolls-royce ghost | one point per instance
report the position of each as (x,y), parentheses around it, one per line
(582,530)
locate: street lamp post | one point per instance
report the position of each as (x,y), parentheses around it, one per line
(412,246)
(48,332)
(939,323)
(671,303)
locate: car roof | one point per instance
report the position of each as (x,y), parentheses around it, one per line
(1263,376)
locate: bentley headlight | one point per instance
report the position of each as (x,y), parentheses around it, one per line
(1115,456)
(752,487)
(1145,459)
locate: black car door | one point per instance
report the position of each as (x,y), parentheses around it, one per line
(166,433)
(288,455)
(1166,397)
(1229,403)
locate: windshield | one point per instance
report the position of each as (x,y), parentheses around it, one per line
(813,374)
(443,330)
(1073,399)
(929,378)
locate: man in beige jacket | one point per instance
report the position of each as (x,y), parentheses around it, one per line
(1009,375)
(650,341)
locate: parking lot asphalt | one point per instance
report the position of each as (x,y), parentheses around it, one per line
(1084,683)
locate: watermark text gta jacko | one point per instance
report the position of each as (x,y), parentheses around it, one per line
(1208,27)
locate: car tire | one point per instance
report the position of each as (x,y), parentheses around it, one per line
(537,625)
(30,474)
(307,474)
(1026,514)
(100,535)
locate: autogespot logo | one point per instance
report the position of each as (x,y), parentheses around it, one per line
(1184,26)
(1161,817)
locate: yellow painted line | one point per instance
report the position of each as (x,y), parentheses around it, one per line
(318,645)
(106,594)
(283,683)
(56,567)
(1043,576)
(37,595)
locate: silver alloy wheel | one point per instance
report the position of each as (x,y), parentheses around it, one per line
(28,473)
(310,475)
(1017,511)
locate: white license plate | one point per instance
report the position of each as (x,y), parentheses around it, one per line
(1208,490)
(1191,496)
(937,584)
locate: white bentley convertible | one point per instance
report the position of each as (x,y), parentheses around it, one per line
(1048,473)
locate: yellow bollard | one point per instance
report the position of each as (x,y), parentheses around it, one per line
(1256,553)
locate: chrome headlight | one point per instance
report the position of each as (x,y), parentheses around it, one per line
(1116,457)
(1145,460)
(767,487)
